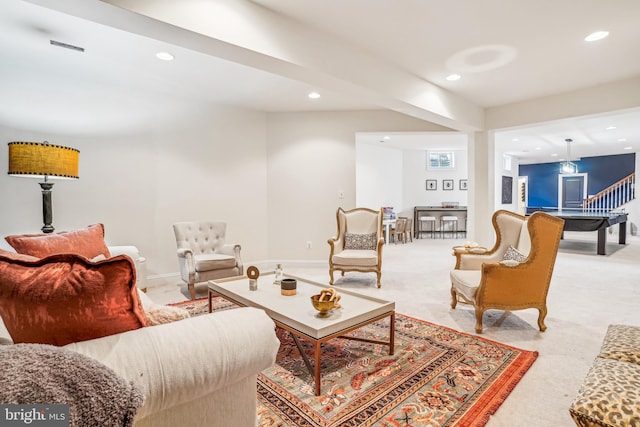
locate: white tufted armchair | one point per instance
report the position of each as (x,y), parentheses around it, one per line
(203,254)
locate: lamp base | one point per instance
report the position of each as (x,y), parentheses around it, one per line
(47,209)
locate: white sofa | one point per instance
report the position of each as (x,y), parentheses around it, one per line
(196,371)
(139,261)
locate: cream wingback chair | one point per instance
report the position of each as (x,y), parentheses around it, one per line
(515,274)
(203,254)
(358,244)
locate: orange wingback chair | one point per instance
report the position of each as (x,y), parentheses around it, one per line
(358,244)
(515,274)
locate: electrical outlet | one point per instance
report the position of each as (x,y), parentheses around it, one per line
(309,244)
(341,194)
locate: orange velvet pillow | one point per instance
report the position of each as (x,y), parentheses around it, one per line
(88,242)
(14,255)
(66,298)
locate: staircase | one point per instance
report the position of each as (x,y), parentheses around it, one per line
(612,197)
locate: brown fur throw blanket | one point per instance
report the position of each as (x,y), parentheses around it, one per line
(45,374)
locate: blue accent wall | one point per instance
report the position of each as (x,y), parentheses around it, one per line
(602,171)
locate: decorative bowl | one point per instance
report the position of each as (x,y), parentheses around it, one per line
(323,307)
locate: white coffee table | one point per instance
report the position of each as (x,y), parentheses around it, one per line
(296,315)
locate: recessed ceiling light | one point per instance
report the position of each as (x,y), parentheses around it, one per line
(622,140)
(598,35)
(628,148)
(165,56)
(453,77)
(387,137)
(538,148)
(610,128)
(515,140)
(314,95)
(554,155)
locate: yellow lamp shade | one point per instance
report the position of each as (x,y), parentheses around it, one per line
(43,159)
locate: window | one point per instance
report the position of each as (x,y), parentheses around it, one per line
(506,162)
(440,160)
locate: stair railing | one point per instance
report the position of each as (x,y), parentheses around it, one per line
(613,196)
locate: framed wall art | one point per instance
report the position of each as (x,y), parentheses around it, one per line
(447,184)
(432,184)
(463,184)
(507,190)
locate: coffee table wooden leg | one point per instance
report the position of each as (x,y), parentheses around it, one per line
(302,353)
(392,332)
(210,304)
(315,371)
(318,348)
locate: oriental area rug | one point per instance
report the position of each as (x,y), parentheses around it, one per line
(437,377)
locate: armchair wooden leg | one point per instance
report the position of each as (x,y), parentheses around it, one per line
(192,290)
(379,274)
(331,276)
(479,314)
(541,316)
(454,297)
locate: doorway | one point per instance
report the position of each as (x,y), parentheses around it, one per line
(572,190)
(523,194)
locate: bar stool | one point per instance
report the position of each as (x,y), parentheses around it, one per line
(452,221)
(464,232)
(408,231)
(431,221)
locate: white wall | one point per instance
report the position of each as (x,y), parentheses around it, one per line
(634,205)
(379,177)
(416,174)
(394,177)
(311,157)
(512,172)
(211,165)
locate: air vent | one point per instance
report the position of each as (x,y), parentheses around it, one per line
(67,46)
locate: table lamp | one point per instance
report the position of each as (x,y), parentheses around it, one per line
(43,160)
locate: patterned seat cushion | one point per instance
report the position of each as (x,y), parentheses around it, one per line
(622,342)
(609,395)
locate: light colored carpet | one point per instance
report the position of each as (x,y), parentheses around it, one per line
(588,292)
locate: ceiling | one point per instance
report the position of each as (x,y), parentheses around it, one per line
(506,52)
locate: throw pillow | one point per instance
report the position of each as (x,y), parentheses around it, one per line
(14,255)
(158,314)
(97,396)
(512,254)
(88,242)
(360,241)
(67,298)
(161,314)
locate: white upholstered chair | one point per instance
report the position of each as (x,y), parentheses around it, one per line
(513,275)
(358,243)
(203,253)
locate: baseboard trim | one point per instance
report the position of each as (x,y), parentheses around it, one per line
(265,265)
